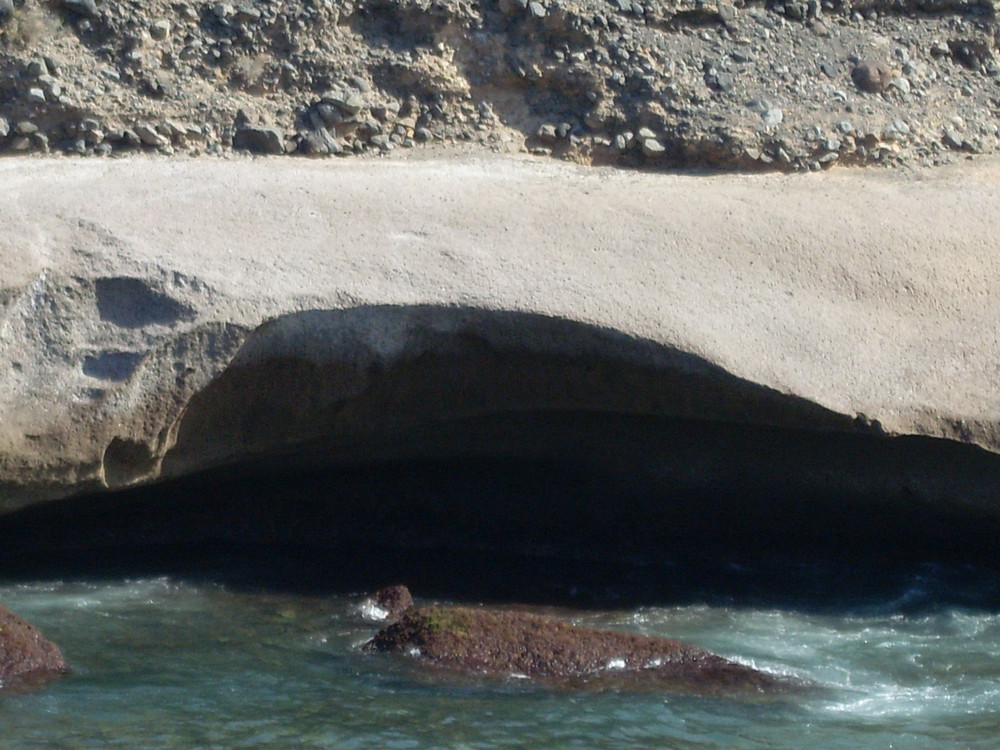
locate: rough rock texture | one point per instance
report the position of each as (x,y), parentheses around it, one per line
(391,602)
(789,84)
(158,317)
(26,657)
(507,643)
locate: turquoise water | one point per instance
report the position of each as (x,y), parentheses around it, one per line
(176,661)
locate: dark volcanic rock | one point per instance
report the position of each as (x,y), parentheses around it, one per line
(26,657)
(502,643)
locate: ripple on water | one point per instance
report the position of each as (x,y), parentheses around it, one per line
(160,663)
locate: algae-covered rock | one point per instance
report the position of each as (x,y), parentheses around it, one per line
(503,643)
(27,658)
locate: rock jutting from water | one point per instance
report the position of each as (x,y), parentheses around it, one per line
(504,643)
(27,658)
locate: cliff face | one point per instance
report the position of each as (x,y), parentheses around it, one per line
(790,85)
(160,317)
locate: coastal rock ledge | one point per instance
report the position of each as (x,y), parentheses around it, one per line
(756,337)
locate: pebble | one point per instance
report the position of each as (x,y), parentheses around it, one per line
(651,147)
(772,116)
(4,127)
(160,29)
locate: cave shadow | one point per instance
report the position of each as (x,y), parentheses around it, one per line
(353,529)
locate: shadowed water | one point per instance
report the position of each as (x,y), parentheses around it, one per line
(257,648)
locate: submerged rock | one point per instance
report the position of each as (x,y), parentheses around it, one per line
(27,658)
(514,643)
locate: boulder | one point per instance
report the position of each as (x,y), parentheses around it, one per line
(259,140)
(26,656)
(502,643)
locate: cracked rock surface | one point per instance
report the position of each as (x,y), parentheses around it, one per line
(747,85)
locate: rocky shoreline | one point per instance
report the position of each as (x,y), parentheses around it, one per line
(711,84)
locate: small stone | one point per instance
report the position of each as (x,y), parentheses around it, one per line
(160,29)
(4,127)
(900,84)
(148,136)
(547,133)
(35,96)
(20,143)
(830,70)
(872,76)
(37,68)
(536,10)
(652,148)
(422,135)
(772,116)
(348,102)
(26,127)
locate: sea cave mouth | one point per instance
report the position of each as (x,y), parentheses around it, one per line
(738,514)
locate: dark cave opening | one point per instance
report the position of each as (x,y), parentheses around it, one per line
(672,511)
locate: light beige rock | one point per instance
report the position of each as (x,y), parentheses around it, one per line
(160,316)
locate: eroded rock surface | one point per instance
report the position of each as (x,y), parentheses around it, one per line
(513,643)
(158,318)
(27,658)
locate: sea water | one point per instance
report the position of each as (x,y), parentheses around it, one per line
(214,661)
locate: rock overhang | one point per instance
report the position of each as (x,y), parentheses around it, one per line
(135,360)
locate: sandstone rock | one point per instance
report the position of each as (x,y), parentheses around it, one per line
(27,658)
(265,331)
(508,642)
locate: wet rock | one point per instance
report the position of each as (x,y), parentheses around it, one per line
(872,76)
(389,603)
(27,658)
(504,643)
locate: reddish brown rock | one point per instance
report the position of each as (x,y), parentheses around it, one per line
(391,602)
(27,658)
(502,643)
